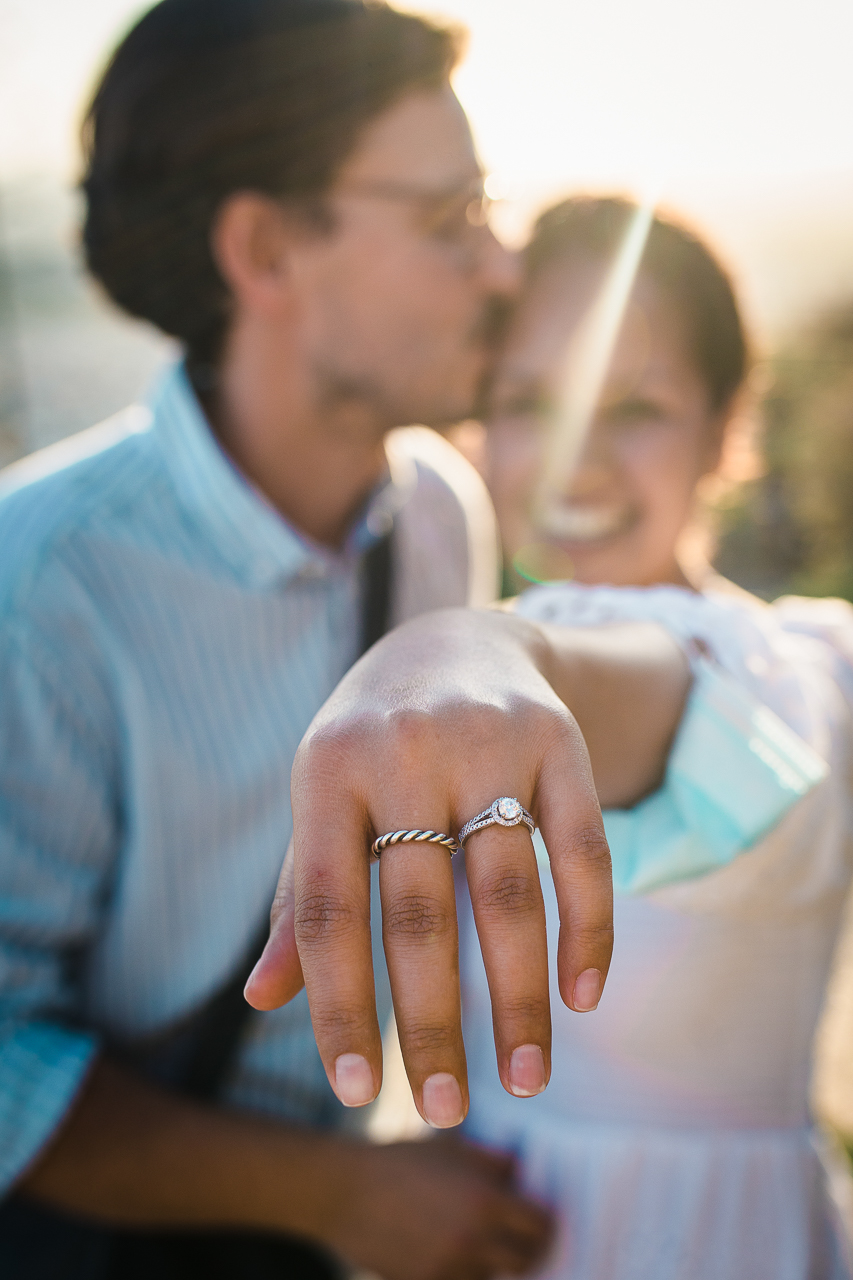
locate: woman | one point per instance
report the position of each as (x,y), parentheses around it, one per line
(675,1137)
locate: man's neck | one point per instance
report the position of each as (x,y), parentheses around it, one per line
(316,469)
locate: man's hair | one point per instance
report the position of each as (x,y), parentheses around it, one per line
(204,98)
(681,265)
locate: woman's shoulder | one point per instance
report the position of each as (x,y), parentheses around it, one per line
(829,619)
(827,627)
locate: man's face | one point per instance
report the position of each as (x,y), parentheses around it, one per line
(395,302)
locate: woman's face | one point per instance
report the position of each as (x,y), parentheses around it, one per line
(652,437)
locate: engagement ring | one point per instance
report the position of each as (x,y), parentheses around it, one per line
(506,811)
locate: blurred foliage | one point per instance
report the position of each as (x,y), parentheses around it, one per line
(791,530)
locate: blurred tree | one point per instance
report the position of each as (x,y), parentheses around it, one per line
(791,529)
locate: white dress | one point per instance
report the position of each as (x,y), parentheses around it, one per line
(675,1139)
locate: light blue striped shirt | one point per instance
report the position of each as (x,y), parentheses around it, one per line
(166,640)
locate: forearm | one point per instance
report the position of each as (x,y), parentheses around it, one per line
(134,1155)
(626,685)
(130,1153)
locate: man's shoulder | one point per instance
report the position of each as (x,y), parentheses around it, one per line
(59,491)
(442,472)
(448,522)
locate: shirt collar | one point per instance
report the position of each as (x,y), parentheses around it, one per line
(255,540)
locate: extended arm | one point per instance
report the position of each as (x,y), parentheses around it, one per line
(440,718)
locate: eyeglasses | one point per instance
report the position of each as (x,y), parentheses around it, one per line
(455,215)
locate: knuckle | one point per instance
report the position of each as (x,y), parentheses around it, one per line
(510,894)
(482,723)
(341,1024)
(429,1037)
(409,733)
(326,747)
(321,916)
(590,843)
(557,725)
(525,1010)
(596,937)
(415,917)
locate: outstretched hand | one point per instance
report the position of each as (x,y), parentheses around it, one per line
(439,719)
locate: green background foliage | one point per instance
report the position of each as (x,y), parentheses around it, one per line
(791,530)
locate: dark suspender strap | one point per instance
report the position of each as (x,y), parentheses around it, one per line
(377,577)
(196,1056)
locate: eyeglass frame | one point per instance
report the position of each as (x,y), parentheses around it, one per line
(477,207)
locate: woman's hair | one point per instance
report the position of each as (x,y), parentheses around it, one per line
(204,98)
(678,262)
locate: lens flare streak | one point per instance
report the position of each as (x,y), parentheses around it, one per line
(584,372)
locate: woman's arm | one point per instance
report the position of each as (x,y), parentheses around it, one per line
(440,718)
(626,686)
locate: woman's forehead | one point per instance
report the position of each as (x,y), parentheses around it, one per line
(561,298)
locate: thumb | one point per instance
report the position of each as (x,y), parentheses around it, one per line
(277,977)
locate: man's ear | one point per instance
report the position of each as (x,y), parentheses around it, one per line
(252,239)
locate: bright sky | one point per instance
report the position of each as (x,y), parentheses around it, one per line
(737,100)
(559,90)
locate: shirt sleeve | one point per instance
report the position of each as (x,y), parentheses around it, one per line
(58,837)
(734,771)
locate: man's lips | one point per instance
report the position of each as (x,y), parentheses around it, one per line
(576,523)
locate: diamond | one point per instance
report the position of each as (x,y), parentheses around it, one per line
(509,809)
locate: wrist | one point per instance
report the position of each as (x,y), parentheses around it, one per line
(301,1181)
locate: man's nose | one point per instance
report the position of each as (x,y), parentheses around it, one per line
(500,268)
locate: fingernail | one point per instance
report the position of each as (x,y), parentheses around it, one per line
(587,992)
(354,1080)
(442,1101)
(527,1071)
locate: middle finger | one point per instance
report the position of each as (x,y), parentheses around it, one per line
(420,934)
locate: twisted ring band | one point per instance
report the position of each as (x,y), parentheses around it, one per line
(506,811)
(413,837)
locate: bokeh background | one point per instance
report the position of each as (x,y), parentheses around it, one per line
(738,114)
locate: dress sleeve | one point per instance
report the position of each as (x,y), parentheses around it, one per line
(58,838)
(735,769)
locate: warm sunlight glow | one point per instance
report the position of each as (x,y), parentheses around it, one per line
(743,109)
(584,370)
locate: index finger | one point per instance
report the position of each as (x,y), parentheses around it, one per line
(277,977)
(331,925)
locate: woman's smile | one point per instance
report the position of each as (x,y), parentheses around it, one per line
(586,523)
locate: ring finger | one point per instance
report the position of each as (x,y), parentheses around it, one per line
(509,912)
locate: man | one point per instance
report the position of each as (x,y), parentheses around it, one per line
(288,187)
